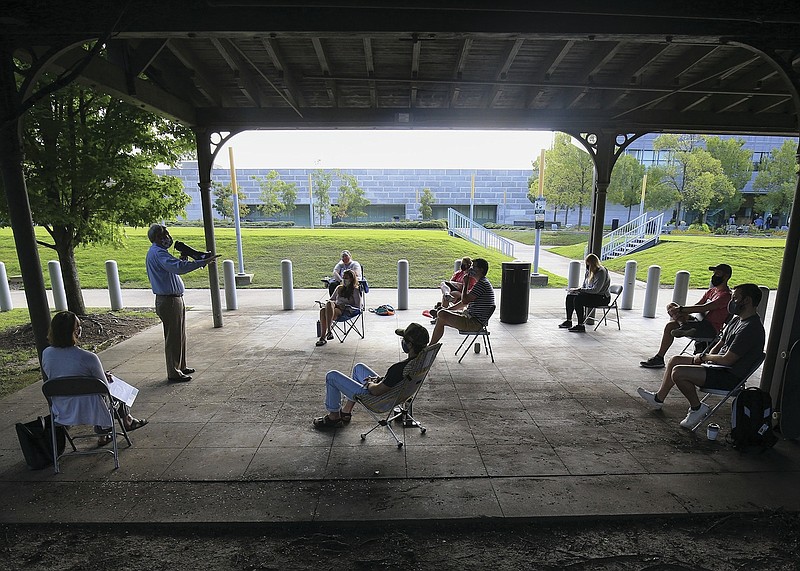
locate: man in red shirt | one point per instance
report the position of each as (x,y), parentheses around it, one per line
(713,306)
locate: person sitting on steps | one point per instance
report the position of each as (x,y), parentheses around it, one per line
(714,304)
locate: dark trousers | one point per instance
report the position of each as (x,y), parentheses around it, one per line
(172,313)
(578,302)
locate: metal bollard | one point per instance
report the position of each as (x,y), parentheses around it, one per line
(231,299)
(287,283)
(761,310)
(651,291)
(114,289)
(402,284)
(5,290)
(574,275)
(681,289)
(629,285)
(57,285)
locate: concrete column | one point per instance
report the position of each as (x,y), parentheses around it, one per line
(114,289)
(651,291)
(629,286)
(5,291)
(574,274)
(57,285)
(402,284)
(287,284)
(681,289)
(229,273)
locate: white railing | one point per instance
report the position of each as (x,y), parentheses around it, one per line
(638,231)
(466,228)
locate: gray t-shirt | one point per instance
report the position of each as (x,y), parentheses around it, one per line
(746,339)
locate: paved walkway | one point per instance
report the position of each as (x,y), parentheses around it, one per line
(553,428)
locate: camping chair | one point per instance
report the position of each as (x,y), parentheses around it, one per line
(483,333)
(397,403)
(83,386)
(355,322)
(616,290)
(723,393)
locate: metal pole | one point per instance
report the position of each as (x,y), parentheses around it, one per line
(231,299)
(114,289)
(538,239)
(57,285)
(651,291)
(311,201)
(236,221)
(630,285)
(574,274)
(681,289)
(644,187)
(402,284)
(287,284)
(5,291)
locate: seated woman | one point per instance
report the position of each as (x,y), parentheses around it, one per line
(593,293)
(65,359)
(454,288)
(344,302)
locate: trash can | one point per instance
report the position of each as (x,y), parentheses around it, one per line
(614,223)
(515,291)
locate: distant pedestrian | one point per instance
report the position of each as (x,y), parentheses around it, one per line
(759,222)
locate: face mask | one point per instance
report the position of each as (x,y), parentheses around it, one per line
(716,280)
(464,267)
(405,346)
(166,242)
(734,307)
(348,282)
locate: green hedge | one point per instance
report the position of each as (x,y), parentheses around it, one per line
(440,224)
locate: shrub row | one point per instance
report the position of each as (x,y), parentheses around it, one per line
(440,224)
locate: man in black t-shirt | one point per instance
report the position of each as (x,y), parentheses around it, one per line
(365,380)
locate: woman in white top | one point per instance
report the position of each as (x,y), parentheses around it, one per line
(65,359)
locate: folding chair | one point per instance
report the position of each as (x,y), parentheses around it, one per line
(723,393)
(483,333)
(88,387)
(701,344)
(342,326)
(616,291)
(398,402)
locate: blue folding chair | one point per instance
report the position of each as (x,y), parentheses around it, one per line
(354,321)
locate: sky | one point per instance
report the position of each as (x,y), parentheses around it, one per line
(385,149)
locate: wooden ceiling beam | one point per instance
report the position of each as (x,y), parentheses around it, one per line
(289,80)
(369,61)
(458,73)
(509,54)
(199,74)
(244,80)
(330,85)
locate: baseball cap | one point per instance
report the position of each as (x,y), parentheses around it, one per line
(724,268)
(346,253)
(414,333)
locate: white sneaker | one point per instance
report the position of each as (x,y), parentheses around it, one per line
(695,416)
(650,398)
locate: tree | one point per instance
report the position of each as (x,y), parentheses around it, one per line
(425,201)
(568,176)
(659,195)
(778,177)
(223,201)
(277,196)
(351,201)
(626,182)
(737,162)
(89,161)
(321,184)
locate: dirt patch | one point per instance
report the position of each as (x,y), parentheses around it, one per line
(720,543)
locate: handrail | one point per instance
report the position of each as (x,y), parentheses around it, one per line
(466,228)
(639,229)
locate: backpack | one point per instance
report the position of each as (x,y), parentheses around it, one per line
(385,309)
(751,419)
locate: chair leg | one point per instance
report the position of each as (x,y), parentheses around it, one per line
(488,342)
(462,344)
(711,412)
(616,309)
(53,442)
(466,350)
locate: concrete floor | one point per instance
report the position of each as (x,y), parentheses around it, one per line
(553,428)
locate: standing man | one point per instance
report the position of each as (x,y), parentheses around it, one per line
(163,270)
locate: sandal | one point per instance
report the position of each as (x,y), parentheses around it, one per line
(320,342)
(327,423)
(329,337)
(346,416)
(136,424)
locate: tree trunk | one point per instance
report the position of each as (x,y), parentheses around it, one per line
(629,212)
(580,215)
(69,271)
(566,213)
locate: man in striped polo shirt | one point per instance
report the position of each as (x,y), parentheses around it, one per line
(474,309)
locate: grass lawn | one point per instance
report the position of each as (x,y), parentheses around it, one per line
(548,237)
(313,253)
(756,260)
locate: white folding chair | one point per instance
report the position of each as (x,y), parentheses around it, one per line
(397,403)
(483,333)
(723,393)
(616,290)
(87,387)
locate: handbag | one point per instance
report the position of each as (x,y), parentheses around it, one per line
(35,441)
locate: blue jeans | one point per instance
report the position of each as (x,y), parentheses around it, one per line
(338,384)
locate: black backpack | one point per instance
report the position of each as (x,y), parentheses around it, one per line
(34,440)
(751,419)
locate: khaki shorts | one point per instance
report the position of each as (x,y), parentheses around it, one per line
(463,321)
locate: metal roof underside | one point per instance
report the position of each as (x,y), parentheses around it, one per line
(572,66)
